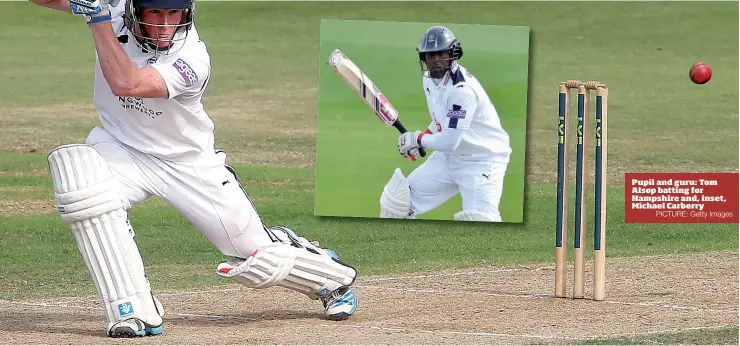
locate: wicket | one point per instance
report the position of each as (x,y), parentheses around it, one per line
(584,90)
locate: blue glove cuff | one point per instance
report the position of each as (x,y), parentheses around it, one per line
(99,19)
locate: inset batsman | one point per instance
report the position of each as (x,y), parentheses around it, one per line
(470,147)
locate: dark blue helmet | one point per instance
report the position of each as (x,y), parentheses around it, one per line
(133,21)
(439,39)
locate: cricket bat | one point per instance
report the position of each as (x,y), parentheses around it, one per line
(368,92)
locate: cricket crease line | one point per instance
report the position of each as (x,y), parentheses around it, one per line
(51,305)
(669,306)
(237,287)
(486,334)
(97,308)
(465,273)
(664,331)
(187,293)
(540,296)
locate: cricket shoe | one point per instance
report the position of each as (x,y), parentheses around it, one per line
(133,327)
(340,304)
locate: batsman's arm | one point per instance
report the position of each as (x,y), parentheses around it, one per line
(445,141)
(461,106)
(433,127)
(123,77)
(59,5)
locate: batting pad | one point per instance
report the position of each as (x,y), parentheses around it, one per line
(312,273)
(395,202)
(474,215)
(87,201)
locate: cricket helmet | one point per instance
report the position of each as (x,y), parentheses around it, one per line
(436,39)
(132,19)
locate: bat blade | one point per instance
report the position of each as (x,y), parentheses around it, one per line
(367,91)
(364,87)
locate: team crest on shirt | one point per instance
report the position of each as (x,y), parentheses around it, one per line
(186,72)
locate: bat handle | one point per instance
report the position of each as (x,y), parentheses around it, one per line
(397,124)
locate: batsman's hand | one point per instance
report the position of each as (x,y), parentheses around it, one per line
(94,11)
(409,144)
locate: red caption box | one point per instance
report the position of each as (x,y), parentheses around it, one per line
(681,197)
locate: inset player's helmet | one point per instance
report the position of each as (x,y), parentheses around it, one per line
(133,21)
(440,40)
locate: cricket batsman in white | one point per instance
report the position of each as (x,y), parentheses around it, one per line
(471,149)
(157,140)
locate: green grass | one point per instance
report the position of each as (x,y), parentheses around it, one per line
(719,336)
(264,98)
(349,181)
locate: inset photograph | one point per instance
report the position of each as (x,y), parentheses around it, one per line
(422,121)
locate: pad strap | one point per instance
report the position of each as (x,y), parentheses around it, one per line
(89,202)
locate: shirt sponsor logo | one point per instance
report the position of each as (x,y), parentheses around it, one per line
(137,104)
(186,72)
(456,113)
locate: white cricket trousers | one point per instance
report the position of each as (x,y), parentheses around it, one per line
(479,182)
(206,192)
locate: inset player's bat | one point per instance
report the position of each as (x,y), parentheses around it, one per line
(366,89)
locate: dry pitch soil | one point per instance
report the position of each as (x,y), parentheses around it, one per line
(475,306)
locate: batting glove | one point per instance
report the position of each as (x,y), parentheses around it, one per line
(412,154)
(94,11)
(409,144)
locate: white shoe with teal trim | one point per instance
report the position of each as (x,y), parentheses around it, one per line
(133,327)
(340,304)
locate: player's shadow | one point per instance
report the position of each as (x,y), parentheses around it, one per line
(53,323)
(47,326)
(529,134)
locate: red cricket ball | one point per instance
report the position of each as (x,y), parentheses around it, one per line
(700,72)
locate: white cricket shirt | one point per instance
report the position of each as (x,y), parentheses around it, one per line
(177,128)
(460,102)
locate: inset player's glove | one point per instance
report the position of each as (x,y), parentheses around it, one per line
(412,154)
(409,144)
(94,11)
